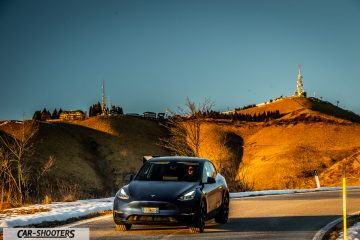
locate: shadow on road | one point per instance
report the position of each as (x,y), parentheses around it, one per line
(288,227)
(263,224)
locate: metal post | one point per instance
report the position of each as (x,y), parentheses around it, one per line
(344,202)
(317,179)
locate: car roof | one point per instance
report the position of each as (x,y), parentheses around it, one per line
(178,158)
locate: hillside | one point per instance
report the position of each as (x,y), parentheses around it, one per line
(93,155)
(284,153)
(293,107)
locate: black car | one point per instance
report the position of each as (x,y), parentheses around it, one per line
(173,190)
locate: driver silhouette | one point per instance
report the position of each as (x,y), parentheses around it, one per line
(190,173)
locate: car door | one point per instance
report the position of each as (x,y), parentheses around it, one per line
(218,192)
(209,189)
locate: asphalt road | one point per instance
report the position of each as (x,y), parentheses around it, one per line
(295,216)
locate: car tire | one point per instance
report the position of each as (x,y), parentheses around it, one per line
(223,215)
(123,227)
(200,217)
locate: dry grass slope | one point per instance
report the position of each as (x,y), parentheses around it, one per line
(93,156)
(293,107)
(284,153)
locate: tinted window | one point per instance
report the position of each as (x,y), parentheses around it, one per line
(209,171)
(212,170)
(169,171)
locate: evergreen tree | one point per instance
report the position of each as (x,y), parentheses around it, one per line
(91,111)
(45,115)
(55,114)
(97,109)
(120,110)
(37,115)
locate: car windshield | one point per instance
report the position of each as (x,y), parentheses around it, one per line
(169,171)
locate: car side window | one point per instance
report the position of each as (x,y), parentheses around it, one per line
(205,172)
(209,171)
(212,170)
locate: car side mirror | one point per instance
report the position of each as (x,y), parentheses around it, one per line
(210,180)
(129,178)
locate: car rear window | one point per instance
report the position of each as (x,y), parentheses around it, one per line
(169,171)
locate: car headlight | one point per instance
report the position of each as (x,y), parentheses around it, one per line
(188,196)
(122,194)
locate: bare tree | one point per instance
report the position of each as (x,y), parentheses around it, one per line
(185,128)
(42,171)
(7,180)
(15,152)
(185,139)
(177,140)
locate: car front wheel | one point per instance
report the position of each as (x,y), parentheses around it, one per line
(199,224)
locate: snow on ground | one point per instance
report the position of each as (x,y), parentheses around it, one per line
(58,211)
(4,123)
(353,233)
(61,211)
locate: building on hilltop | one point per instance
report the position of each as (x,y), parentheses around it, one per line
(72,115)
(149,115)
(299,92)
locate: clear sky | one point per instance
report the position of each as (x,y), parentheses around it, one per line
(154,54)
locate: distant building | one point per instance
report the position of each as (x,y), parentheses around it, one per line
(72,115)
(230,112)
(149,115)
(133,114)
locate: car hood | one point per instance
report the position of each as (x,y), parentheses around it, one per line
(158,190)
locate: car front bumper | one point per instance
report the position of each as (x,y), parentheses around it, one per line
(178,213)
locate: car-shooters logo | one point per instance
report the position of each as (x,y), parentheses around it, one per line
(46,233)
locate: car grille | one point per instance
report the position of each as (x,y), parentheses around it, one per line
(151,218)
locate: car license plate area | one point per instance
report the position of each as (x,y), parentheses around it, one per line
(150,210)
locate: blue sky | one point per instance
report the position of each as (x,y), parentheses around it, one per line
(152,55)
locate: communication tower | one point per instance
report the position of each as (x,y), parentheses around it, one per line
(103,100)
(299,92)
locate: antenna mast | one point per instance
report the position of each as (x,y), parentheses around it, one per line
(103,100)
(299,88)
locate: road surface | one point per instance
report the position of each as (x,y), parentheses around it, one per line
(293,216)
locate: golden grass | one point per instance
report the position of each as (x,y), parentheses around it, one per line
(284,155)
(285,105)
(97,153)
(295,107)
(94,154)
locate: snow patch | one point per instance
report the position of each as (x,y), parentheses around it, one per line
(57,212)
(4,123)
